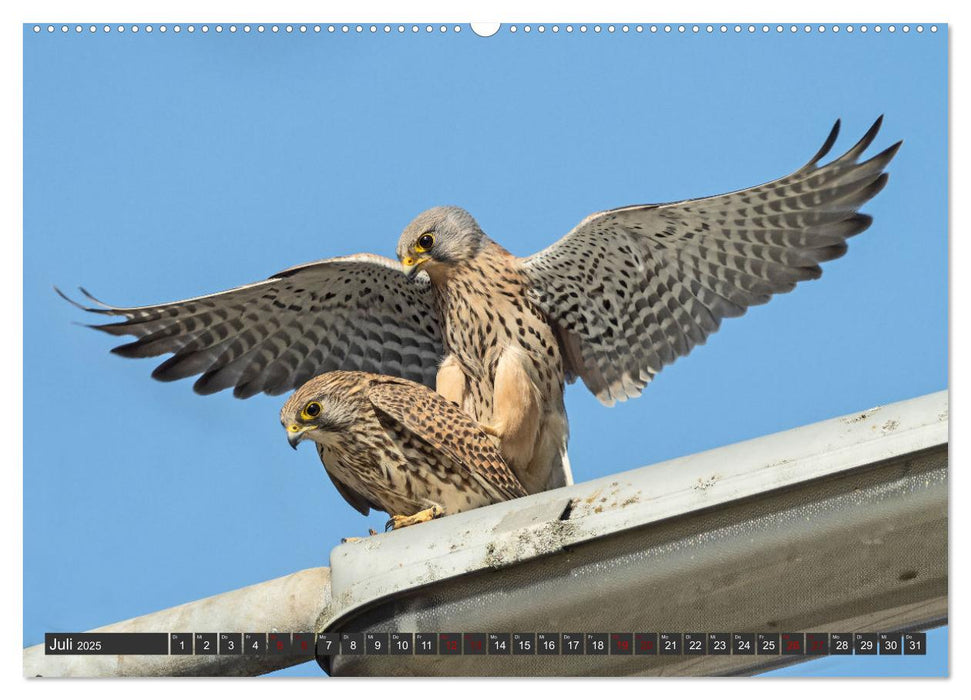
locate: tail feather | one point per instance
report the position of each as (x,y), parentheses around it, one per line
(560,473)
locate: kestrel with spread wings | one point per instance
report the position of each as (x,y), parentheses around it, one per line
(621,296)
(394,445)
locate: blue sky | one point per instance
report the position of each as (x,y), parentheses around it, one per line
(163,166)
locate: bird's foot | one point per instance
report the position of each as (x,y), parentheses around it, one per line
(490,430)
(423,516)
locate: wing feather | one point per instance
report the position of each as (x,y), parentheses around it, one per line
(352,313)
(632,289)
(441,424)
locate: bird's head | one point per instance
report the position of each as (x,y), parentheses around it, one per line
(438,239)
(318,410)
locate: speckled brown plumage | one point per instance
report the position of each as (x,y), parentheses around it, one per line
(489,321)
(621,296)
(397,446)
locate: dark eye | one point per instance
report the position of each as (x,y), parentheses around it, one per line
(425,242)
(312,409)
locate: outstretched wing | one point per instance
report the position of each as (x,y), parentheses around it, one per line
(441,424)
(632,289)
(352,313)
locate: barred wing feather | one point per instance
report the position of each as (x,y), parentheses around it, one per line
(358,312)
(632,289)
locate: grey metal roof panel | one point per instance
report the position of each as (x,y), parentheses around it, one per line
(507,533)
(836,526)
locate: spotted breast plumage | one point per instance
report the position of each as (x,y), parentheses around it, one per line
(621,296)
(397,446)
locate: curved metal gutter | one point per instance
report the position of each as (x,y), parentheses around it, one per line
(286,604)
(836,526)
(839,526)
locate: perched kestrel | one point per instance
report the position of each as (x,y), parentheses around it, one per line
(622,295)
(394,445)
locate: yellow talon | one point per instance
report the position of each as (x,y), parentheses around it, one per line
(489,430)
(423,516)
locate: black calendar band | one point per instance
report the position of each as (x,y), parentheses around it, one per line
(307,644)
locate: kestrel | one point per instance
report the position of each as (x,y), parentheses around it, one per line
(621,296)
(394,445)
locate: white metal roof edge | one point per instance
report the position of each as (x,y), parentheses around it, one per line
(503,534)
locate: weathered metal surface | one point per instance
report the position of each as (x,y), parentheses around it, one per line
(836,526)
(287,604)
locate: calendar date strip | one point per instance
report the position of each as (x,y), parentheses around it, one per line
(308,644)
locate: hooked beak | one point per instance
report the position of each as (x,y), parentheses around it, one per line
(413,265)
(295,433)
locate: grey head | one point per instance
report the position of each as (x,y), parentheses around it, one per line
(438,239)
